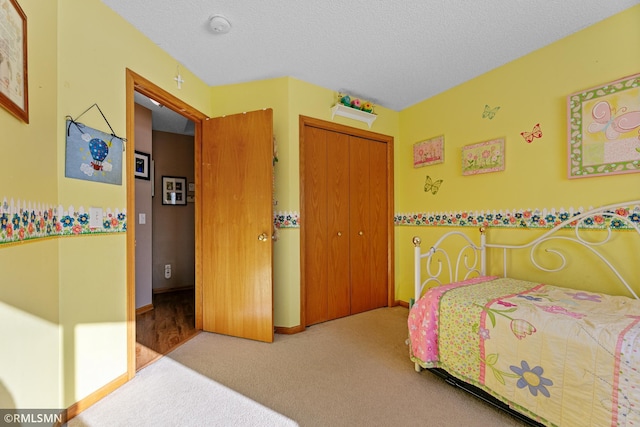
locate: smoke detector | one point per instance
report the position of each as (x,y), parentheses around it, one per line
(219,24)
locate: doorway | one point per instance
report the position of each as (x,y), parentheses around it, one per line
(176,315)
(165,232)
(244,189)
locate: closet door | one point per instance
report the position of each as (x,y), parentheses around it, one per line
(360,224)
(338,228)
(314,210)
(326,213)
(368,217)
(379,224)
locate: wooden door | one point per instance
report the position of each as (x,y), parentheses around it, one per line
(325,208)
(368,217)
(237,222)
(378,224)
(360,224)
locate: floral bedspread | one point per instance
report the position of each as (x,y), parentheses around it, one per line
(563,357)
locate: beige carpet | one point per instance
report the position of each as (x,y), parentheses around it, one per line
(353,371)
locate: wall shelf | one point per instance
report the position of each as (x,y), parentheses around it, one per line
(352,113)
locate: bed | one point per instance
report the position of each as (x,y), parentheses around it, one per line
(550,355)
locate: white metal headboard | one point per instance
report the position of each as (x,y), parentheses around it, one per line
(471,259)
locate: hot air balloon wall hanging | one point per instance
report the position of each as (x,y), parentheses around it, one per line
(91,154)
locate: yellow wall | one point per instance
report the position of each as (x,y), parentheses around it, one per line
(28,287)
(530,90)
(62,301)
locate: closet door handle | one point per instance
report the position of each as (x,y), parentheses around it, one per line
(263,237)
(339,233)
(360,233)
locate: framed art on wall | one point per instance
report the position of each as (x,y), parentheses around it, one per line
(174,190)
(483,157)
(14,94)
(604,129)
(428,152)
(141,165)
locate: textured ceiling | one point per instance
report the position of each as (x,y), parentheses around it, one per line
(394,53)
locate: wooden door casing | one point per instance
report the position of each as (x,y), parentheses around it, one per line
(237,224)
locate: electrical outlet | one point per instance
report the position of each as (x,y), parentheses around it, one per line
(167,271)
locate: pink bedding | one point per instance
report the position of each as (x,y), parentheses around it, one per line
(560,356)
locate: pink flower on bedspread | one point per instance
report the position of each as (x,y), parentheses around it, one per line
(555,309)
(585,296)
(506,303)
(521,328)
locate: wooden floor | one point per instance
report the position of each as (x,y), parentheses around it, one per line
(169,324)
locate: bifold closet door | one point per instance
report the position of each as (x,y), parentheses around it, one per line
(368,207)
(326,222)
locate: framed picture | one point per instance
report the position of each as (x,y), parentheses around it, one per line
(483,157)
(14,94)
(141,162)
(174,190)
(604,128)
(428,152)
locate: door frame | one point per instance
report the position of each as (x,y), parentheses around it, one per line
(305,121)
(137,83)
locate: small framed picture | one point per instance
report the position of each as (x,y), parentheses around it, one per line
(428,152)
(141,165)
(483,157)
(174,190)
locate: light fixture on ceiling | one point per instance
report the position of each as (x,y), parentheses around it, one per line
(219,24)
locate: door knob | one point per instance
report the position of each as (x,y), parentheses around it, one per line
(339,233)
(263,237)
(360,233)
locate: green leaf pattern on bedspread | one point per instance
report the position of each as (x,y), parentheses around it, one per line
(459,343)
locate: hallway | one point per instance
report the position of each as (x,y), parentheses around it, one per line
(169,324)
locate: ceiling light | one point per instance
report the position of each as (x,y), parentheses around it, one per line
(219,24)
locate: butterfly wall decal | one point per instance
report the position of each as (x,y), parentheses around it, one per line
(535,133)
(489,113)
(432,186)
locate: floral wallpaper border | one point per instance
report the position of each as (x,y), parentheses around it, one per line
(289,219)
(23,221)
(527,218)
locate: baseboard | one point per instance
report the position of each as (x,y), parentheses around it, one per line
(83,404)
(402,303)
(163,290)
(289,331)
(144,309)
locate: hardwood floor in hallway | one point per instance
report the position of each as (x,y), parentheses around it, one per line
(169,324)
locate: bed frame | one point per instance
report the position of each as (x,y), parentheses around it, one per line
(471,261)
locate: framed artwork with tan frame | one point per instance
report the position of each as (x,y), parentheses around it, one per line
(14,93)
